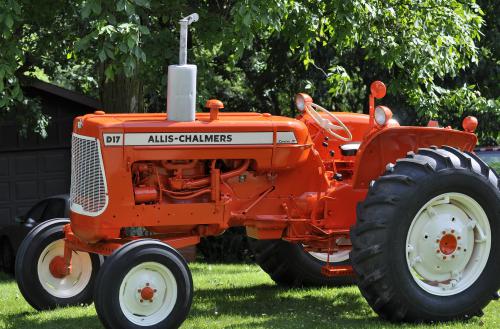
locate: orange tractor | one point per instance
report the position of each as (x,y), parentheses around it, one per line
(411,209)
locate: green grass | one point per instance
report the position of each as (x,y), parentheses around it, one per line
(496,166)
(235,296)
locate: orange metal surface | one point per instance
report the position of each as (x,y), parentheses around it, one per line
(448,244)
(57,267)
(387,145)
(337,270)
(470,124)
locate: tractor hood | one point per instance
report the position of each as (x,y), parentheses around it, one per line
(155,130)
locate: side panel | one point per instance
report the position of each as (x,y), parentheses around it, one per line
(388,145)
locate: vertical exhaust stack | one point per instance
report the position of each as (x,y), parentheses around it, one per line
(181,90)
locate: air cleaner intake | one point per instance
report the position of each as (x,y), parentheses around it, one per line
(181,90)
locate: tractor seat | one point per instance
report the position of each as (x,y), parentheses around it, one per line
(350,149)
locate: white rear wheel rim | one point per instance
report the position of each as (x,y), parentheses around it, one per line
(144,312)
(448,244)
(335,257)
(70,285)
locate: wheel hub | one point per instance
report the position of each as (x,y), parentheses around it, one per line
(448,244)
(147,293)
(57,267)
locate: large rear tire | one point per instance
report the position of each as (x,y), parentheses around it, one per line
(424,245)
(144,284)
(290,265)
(42,288)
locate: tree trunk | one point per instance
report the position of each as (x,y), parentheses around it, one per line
(122,95)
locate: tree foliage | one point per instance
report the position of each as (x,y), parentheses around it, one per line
(439,58)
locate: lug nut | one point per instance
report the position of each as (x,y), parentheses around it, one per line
(142,300)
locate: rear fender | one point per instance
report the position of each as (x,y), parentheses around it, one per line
(390,144)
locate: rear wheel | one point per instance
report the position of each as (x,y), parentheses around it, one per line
(144,284)
(38,269)
(423,245)
(291,265)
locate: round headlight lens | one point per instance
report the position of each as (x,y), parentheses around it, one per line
(302,100)
(299,102)
(382,115)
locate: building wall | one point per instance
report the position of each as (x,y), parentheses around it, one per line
(32,167)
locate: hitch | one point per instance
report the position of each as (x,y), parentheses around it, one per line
(330,270)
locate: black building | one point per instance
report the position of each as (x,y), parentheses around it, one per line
(33,168)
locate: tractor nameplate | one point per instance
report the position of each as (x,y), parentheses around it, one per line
(223,138)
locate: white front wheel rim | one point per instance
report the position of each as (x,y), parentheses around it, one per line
(448,244)
(73,283)
(160,283)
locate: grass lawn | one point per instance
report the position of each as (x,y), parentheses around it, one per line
(496,166)
(235,296)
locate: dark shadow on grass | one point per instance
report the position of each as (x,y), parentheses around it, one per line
(274,307)
(4,277)
(24,321)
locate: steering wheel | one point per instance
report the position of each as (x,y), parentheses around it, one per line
(313,111)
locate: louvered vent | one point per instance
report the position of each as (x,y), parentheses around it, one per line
(89,193)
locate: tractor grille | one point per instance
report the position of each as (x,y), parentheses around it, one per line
(89,193)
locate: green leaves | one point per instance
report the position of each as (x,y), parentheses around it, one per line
(9,21)
(142,3)
(255,54)
(91,7)
(109,72)
(117,38)
(11,55)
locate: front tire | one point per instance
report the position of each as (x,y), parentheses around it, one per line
(36,278)
(144,284)
(423,245)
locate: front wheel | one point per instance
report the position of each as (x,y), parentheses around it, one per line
(144,284)
(423,245)
(38,263)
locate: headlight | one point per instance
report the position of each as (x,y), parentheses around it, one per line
(382,115)
(302,100)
